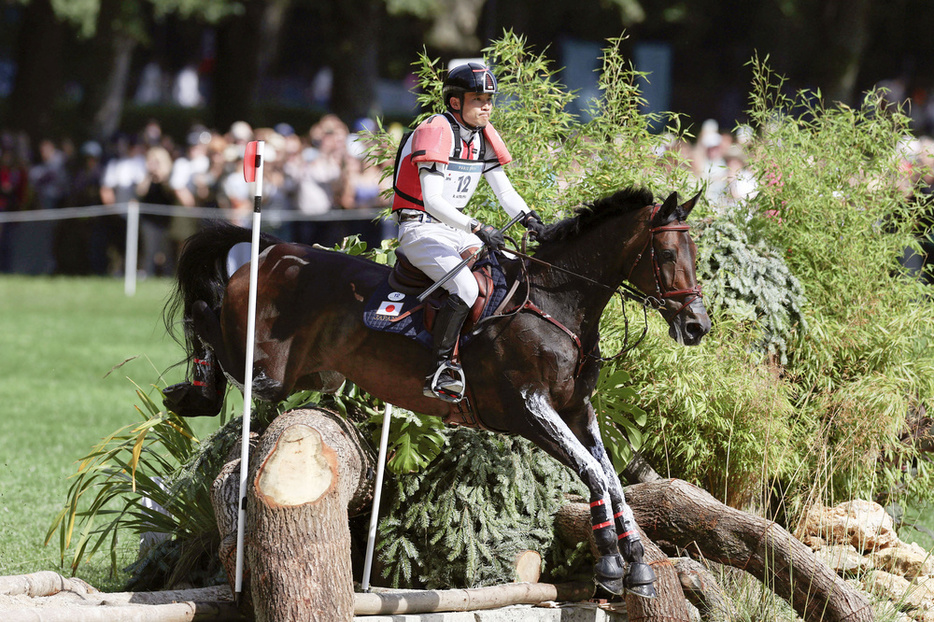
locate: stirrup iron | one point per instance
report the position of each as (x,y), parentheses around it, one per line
(451,390)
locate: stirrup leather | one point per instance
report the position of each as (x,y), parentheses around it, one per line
(449,389)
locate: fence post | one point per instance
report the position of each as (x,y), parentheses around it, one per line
(132,248)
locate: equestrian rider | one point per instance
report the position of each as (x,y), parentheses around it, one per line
(438,169)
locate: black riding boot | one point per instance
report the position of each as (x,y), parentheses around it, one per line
(447,382)
(203,396)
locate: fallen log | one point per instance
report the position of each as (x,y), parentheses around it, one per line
(670,605)
(473,599)
(682,517)
(44,583)
(168,612)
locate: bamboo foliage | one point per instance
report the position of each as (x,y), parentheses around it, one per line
(123,482)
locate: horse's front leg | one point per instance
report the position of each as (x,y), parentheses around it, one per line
(550,432)
(640,577)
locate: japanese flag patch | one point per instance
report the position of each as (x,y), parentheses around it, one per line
(391,307)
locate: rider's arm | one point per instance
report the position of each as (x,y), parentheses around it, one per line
(507,195)
(431,175)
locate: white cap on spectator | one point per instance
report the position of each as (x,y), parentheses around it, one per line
(710,133)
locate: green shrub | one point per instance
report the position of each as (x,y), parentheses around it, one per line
(829,196)
(750,282)
(462,521)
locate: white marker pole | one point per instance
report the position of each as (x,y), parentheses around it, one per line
(374,517)
(252,172)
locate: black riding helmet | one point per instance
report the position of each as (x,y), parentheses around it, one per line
(469,78)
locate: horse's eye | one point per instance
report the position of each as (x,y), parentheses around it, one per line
(666,255)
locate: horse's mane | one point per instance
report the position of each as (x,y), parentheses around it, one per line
(592,214)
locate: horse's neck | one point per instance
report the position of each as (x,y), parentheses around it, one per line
(587,271)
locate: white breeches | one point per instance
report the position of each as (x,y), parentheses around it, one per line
(435,249)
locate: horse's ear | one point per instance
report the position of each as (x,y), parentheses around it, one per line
(688,205)
(667,209)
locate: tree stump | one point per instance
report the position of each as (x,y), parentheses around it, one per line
(305,471)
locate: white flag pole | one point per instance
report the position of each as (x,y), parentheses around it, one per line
(252,172)
(374,517)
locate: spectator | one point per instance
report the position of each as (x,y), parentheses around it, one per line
(122,173)
(741,183)
(13,190)
(187,171)
(49,178)
(72,239)
(319,179)
(278,188)
(157,256)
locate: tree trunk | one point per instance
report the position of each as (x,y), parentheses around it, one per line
(702,589)
(105,73)
(39,70)
(355,59)
(492,597)
(109,115)
(306,469)
(679,516)
(235,74)
(847,27)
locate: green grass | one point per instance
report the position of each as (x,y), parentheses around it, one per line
(62,389)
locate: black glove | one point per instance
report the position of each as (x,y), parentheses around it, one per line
(490,236)
(533,223)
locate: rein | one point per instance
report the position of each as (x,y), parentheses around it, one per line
(624,290)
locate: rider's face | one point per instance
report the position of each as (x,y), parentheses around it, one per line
(477,109)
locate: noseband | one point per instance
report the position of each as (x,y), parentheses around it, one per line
(690,294)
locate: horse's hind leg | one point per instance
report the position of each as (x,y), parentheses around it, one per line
(640,577)
(203,395)
(550,432)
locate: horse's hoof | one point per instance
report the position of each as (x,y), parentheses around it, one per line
(608,574)
(640,580)
(643,591)
(613,586)
(185,401)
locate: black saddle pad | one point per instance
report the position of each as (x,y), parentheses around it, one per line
(393,311)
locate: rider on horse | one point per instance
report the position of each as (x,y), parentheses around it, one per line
(437,171)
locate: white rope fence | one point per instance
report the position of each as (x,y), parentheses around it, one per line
(131,211)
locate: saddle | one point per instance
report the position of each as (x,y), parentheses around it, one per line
(394,305)
(408,279)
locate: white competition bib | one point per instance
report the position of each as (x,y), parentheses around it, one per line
(460,181)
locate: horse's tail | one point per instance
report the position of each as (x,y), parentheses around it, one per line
(201,275)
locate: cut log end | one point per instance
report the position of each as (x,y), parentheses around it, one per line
(299,470)
(528,567)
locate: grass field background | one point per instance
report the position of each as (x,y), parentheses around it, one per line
(60,394)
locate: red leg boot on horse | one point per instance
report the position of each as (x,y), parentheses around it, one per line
(447,382)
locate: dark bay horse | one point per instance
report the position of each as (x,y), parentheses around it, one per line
(530,372)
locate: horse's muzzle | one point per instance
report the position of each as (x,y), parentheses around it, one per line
(689,324)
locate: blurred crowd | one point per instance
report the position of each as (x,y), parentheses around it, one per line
(310,175)
(320,171)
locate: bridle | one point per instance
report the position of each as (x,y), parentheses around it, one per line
(624,290)
(690,294)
